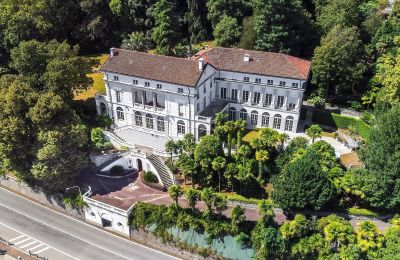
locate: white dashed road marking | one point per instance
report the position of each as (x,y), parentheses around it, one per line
(41,250)
(16,238)
(22,241)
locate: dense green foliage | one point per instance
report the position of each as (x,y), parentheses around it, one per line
(150,177)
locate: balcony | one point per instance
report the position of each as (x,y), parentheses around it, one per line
(149,108)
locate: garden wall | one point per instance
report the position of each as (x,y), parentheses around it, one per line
(36,193)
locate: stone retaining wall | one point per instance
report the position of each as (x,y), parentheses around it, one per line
(36,193)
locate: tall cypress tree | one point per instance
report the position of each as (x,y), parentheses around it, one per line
(196,18)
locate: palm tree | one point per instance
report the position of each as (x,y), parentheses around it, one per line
(220,119)
(240,126)
(230,129)
(261,156)
(314,131)
(218,164)
(175,191)
(136,41)
(192,196)
(170,147)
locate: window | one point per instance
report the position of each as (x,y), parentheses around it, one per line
(246,79)
(138,119)
(265,120)
(147,84)
(180,109)
(254,117)
(211,85)
(245,96)
(282,83)
(258,80)
(243,114)
(281,99)
(232,113)
(180,90)
(135,82)
(204,89)
(198,107)
(289,123)
(292,106)
(270,82)
(268,99)
(103,108)
(149,121)
(202,131)
(277,122)
(120,113)
(181,127)
(295,85)
(116,78)
(118,95)
(159,86)
(160,124)
(234,94)
(257,97)
(223,93)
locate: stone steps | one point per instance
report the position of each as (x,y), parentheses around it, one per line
(162,170)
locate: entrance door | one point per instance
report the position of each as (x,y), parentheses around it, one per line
(106,220)
(139,165)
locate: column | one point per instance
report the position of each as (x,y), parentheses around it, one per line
(240,94)
(286,104)
(274,97)
(251,94)
(154,100)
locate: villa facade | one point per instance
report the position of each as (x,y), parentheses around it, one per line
(154,98)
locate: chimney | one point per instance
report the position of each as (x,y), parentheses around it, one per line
(112,52)
(246,58)
(201,64)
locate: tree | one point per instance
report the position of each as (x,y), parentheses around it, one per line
(192,196)
(237,217)
(196,18)
(170,147)
(380,156)
(207,196)
(281,26)
(52,66)
(388,76)
(266,211)
(345,13)
(227,32)
(175,191)
(314,132)
(240,127)
(136,41)
(248,38)
(261,156)
(206,150)
(369,238)
(337,231)
(219,203)
(303,184)
(218,164)
(232,8)
(338,70)
(166,28)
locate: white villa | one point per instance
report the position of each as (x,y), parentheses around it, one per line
(154,98)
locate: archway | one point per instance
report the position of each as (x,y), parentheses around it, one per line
(106,220)
(139,165)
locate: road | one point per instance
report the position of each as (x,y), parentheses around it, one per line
(60,237)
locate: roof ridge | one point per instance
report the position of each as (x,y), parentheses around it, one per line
(289,59)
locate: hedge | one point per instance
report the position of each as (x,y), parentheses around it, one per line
(338,121)
(362,212)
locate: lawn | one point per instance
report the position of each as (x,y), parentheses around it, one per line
(98,84)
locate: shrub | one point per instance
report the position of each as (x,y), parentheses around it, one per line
(150,177)
(98,139)
(239,198)
(318,102)
(104,120)
(362,212)
(116,170)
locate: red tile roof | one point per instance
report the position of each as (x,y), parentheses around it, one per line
(261,63)
(151,66)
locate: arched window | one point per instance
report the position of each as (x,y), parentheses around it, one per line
(289,123)
(160,124)
(202,131)
(138,118)
(254,117)
(277,122)
(149,121)
(265,119)
(243,114)
(181,127)
(103,108)
(232,113)
(120,113)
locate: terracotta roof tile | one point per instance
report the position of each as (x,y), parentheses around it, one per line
(151,66)
(261,63)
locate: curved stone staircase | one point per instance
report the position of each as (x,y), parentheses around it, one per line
(167,178)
